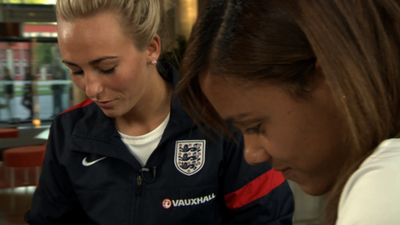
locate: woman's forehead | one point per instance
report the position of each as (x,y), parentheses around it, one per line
(99,25)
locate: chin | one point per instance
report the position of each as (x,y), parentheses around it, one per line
(111,113)
(315,189)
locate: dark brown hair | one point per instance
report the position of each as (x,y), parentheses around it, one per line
(356,43)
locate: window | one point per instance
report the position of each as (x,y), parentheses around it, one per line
(39,30)
(40,2)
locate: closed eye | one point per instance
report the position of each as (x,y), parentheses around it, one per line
(110,71)
(77,73)
(253,130)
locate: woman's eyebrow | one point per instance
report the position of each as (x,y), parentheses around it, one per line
(95,61)
(245,118)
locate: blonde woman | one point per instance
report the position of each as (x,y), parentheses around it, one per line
(314,86)
(130,154)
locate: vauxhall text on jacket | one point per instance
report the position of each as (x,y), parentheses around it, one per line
(90,177)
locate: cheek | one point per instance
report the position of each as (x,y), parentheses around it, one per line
(285,149)
(308,143)
(131,74)
(126,81)
(294,138)
(129,79)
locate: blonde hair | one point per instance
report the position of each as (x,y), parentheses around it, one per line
(139,19)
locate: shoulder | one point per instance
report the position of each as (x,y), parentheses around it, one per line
(383,163)
(67,120)
(373,187)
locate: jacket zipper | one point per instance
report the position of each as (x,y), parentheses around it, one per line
(139,182)
(138,192)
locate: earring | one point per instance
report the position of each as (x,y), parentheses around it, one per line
(153,62)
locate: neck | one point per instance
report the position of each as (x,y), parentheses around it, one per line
(150,111)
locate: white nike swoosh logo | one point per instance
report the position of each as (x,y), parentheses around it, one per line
(86,163)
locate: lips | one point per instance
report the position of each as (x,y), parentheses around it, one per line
(106,104)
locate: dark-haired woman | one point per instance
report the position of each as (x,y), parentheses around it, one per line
(314,86)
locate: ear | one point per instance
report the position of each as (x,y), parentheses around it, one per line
(317,65)
(319,75)
(154,48)
(316,79)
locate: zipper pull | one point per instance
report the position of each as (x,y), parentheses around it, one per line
(139,182)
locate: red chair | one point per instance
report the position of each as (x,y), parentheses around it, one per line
(9,133)
(26,158)
(23,157)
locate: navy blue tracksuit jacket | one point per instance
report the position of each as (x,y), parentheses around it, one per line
(90,177)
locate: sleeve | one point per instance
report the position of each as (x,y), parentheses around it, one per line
(54,201)
(255,194)
(371,195)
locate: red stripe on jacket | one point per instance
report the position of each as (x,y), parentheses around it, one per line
(86,102)
(254,190)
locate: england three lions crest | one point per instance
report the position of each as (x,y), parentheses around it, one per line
(190,156)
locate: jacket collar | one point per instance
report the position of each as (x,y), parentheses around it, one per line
(96,133)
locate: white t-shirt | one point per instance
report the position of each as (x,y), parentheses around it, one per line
(372,194)
(142,146)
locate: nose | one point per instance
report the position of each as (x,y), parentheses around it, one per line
(93,85)
(255,151)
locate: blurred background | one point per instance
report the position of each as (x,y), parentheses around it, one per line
(34,84)
(35,87)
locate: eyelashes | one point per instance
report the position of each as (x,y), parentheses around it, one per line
(77,73)
(110,71)
(106,72)
(253,130)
